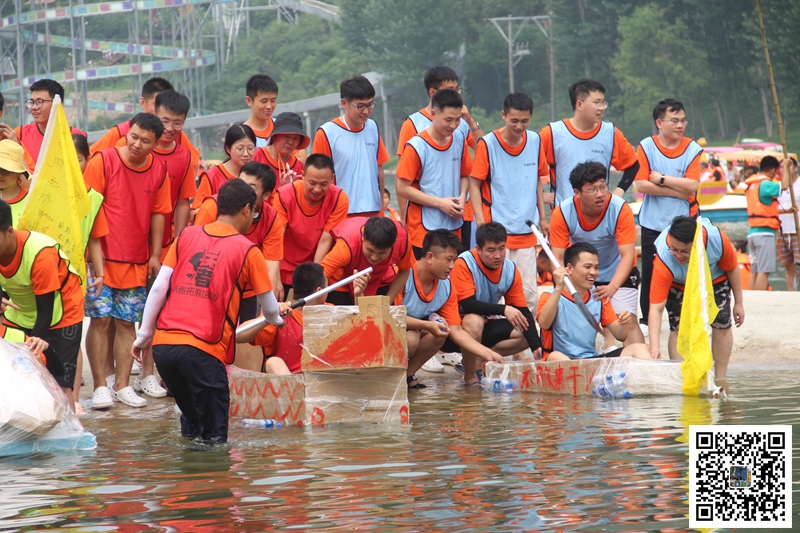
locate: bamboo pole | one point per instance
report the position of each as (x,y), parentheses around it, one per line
(778,113)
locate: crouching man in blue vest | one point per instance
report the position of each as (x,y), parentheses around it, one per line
(483,276)
(566,333)
(432,306)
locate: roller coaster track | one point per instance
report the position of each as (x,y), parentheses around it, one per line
(170,59)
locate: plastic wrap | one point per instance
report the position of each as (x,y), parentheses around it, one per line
(370,395)
(622,377)
(35,414)
(259,395)
(370,334)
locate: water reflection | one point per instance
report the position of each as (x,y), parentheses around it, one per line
(471,461)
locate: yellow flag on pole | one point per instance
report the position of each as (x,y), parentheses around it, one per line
(698,311)
(57,201)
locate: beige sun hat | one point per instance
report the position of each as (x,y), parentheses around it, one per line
(12,156)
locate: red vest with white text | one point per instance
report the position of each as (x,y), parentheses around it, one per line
(202,286)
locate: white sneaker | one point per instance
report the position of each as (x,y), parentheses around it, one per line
(111,381)
(136,369)
(432,365)
(645,330)
(149,386)
(102,398)
(128,397)
(451,359)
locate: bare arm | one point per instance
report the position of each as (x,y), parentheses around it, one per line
(381,181)
(544,225)
(323,247)
(156,240)
(98,262)
(476,200)
(182,211)
(465,341)
(398,283)
(654,323)
(274,269)
(735,279)
(627,254)
(548,313)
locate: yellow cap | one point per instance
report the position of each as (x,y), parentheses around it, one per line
(12,156)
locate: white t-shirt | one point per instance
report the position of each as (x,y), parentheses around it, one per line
(785,202)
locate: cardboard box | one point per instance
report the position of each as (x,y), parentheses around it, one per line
(371,334)
(371,395)
(259,395)
(583,377)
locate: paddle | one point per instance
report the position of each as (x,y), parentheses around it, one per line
(302,301)
(567,281)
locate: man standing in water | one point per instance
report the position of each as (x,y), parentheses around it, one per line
(197,310)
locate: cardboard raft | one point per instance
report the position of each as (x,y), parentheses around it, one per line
(354,370)
(585,377)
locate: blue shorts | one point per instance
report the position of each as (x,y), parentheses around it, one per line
(125,304)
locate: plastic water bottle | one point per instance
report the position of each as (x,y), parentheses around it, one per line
(502,385)
(436,317)
(90,278)
(615,385)
(260,423)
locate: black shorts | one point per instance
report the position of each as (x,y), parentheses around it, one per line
(62,355)
(199,382)
(722,296)
(494,330)
(248,309)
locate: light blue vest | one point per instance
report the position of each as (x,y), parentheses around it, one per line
(602,237)
(485,290)
(418,308)
(421,123)
(572,334)
(713,252)
(355,158)
(440,177)
(657,212)
(569,152)
(262,141)
(514,182)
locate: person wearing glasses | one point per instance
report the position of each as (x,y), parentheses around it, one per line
(31,136)
(669,174)
(356,147)
(147,100)
(136,198)
(240,145)
(436,79)
(673,250)
(604,220)
(585,137)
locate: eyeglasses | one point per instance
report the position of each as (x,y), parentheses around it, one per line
(244,149)
(600,105)
(456,89)
(176,125)
(675,251)
(676,121)
(363,107)
(36,104)
(595,190)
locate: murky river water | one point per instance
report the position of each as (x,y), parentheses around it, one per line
(470,461)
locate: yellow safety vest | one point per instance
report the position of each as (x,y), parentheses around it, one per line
(95,202)
(19,286)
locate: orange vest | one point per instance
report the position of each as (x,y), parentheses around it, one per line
(383,274)
(178,162)
(758,214)
(216,177)
(261,227)
(203,284)
(128,203)
(289,342)
(31,138)
(303,231)
(744,268)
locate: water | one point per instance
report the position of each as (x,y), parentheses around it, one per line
(470,461)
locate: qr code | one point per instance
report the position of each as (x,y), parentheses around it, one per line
(739,476)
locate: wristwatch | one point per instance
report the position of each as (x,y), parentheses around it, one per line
(477,126)
(662,180)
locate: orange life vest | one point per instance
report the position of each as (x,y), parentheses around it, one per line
(303,230)
(758,214)
(382,274)
(202,286)
(128,202)
(216,177)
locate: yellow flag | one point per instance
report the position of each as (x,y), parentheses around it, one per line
(697,313)
(57,201)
